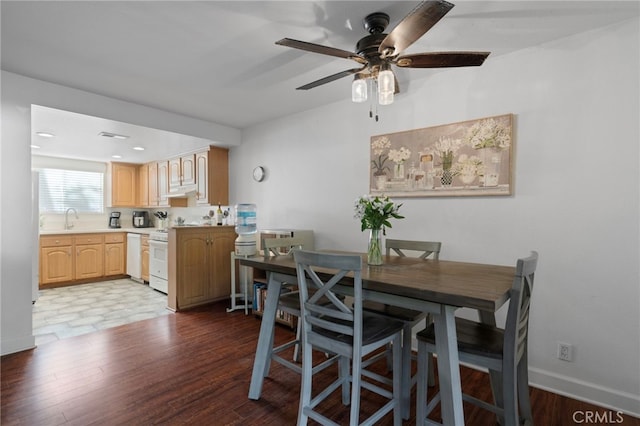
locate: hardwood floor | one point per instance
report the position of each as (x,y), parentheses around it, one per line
(191,368)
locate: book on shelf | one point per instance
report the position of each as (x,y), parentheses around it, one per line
(260,297)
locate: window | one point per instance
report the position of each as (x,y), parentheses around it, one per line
(61,189)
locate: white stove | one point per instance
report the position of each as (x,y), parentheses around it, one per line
(159,235)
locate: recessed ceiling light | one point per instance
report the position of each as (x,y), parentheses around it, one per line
(45,134)
(35,147)
(116,156)
(138,148)
(112,135)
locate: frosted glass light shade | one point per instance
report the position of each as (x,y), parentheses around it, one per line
(385,98)
(386,87)
(359,89)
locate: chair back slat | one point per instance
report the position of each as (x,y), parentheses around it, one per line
(324,311)
(280,246)
(428,248)
(517,324)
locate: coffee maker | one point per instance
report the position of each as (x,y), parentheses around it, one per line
(141,219)
(114,220)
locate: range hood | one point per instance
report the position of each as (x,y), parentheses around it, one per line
(183,192)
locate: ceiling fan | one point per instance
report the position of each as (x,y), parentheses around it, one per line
(377,51)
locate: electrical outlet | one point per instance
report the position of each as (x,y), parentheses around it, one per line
(565,351)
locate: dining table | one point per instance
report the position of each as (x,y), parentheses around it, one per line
(439,287)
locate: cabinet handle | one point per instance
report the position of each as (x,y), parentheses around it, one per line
(57,241)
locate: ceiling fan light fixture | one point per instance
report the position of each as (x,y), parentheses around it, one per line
(386,85)
(359,89)
(385,98)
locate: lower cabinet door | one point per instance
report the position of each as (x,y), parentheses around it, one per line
(56,264)
(89,261)
(114,259)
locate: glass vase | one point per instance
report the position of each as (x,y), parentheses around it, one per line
(398,171)
(374,254)
(491,160)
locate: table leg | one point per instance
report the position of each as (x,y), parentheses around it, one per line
(495,377)
(448,366)
(405,403)
(263,350)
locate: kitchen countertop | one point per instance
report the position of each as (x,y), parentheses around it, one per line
(145,231)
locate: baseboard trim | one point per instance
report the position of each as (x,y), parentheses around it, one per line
(607,398)
(17,345)
(602,396)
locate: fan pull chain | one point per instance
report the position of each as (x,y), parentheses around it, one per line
(372,100)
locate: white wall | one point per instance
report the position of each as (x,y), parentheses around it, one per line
(576,105)
(18,93)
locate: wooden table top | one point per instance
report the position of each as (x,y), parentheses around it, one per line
(471,285)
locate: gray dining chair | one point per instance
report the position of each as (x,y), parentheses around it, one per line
(346,331)
(409,317)
(501,351)
(288,302)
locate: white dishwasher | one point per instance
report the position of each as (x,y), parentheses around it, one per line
(134,263)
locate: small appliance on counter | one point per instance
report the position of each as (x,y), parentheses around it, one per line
(141,219)
(114,220)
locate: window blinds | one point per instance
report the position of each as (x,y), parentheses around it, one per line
(61,189)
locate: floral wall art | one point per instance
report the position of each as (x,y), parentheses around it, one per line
(469,158)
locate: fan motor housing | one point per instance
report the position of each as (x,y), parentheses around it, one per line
(376,22)
(367,47)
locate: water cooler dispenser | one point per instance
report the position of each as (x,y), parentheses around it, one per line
(246,244)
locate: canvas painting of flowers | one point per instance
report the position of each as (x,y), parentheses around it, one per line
(469,158)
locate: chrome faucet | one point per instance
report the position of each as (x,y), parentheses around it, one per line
(68,225)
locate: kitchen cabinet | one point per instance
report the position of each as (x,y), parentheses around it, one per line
(143,186)
(212,176)
(56,259)
(163,183)
(89,261)
(152,179)
(124,184)
(115,254)
(144,257)
(182,173)
(79,258)
(199,267)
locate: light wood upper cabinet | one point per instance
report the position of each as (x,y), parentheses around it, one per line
(212,176)
(182,172)
(163,183)
(124,184)
(143,186)
(149,185)
(152,178)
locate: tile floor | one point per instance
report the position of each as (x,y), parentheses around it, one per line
(70,311)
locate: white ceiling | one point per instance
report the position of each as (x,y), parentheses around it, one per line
(217,61)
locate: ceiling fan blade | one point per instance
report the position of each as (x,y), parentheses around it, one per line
(330,78)
(318,48)
(442,59)
(413,26)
